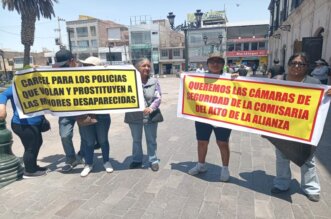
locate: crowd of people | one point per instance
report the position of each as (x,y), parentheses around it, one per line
(30,133)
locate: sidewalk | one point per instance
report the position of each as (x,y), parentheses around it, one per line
(170,192)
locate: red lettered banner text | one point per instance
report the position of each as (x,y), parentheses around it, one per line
(282,109)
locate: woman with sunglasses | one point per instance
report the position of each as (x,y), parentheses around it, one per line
(298,66)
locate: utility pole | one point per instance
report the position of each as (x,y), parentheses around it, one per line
(58,41)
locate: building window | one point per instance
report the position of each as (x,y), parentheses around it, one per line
(164,53)
(94,43)
(81,31)
(114,33)
(262,45)
(238,47)
(141,37)
(83,43)
(246,46)
(254,46)
(230,46)
(177,52)
(93,31)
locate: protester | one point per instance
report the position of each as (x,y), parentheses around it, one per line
(321,71)
(241,70)
(200,69)
(254,68)
(142,120)
(298,66)
(29,131)
(276,69)
(215,64)
(64,59)
(96,132)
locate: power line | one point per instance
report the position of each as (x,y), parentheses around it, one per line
(18,35)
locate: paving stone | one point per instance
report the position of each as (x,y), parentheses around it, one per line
(69,208)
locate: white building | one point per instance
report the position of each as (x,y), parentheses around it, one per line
(300,26)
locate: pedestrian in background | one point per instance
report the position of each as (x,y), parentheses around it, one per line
(141,120)
(200,69)
(65,59)
(276,69)
(321,71)
(203,131)
(97,132)
(241,70)
(29,131)
(298,66)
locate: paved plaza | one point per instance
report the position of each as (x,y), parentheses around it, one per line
(170,192)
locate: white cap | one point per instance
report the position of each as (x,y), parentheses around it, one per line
(93,61)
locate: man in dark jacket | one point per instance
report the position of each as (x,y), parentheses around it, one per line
(276,69)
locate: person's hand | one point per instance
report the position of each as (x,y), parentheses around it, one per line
(148,110)
(234,76)
(328,92)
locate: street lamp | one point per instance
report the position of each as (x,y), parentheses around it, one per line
(110,45)
(186,27)
(4,64)
(220,38)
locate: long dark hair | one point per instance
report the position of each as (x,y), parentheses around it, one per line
(301,54)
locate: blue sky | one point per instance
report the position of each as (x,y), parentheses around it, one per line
(120,12)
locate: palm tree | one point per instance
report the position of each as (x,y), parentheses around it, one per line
(30,10)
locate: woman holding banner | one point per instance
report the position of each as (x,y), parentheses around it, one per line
(143,120)
(29,131)
(298,66)
(96,132)
(215,64)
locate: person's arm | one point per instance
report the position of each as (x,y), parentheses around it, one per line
(4,96)
(3,113)
(157,100)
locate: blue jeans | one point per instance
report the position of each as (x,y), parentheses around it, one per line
(150,135)
(66,128)
(97,132)
(309,180)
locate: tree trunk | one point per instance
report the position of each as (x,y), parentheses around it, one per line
(26,55)
(27,33)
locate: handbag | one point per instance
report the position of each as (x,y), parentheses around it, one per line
(156,116)
(86,120)
(45,125)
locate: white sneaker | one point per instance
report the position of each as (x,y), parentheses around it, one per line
(199,168)
(108,167)
(225,174)
(87,169)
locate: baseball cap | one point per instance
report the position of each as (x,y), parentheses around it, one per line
(319,62)
(216,55)
(62,57)
(92,61)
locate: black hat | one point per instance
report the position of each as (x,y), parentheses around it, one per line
(62,57)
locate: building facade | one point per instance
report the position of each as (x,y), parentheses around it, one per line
(209,38)
(300,26)
(247,43)
(94,37)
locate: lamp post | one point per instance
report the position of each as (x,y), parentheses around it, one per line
(4,64)
(110,45)
(186,27)
(220,38)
